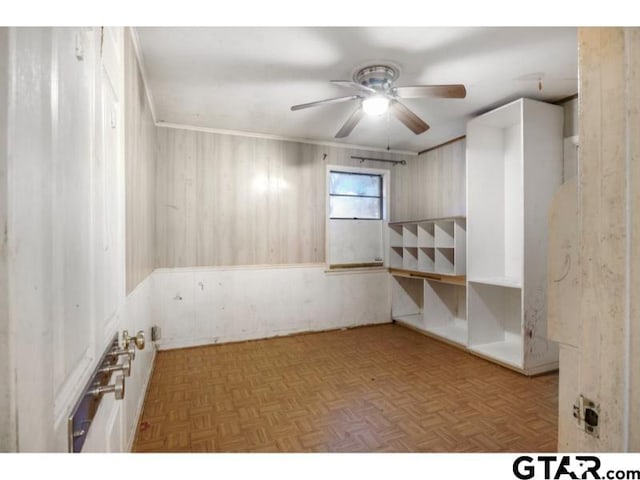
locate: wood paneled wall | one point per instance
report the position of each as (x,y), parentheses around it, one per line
(433,185)
(234,200)
(603,367)
(140,165)
(7,425)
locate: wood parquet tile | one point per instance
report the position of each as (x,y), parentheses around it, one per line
(382,388)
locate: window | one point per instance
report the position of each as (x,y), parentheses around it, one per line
(357,204)
(355,196)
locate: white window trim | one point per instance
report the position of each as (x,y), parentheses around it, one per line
(386,192)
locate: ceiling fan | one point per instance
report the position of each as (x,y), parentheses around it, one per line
(376,94)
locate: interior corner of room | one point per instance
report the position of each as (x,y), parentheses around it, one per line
(477,241)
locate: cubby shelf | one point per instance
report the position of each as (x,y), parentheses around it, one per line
(431,306)
(428,291)
(430,246)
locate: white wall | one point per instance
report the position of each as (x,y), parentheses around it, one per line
(197,306)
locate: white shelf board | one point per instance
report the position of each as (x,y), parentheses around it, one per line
(498,281)
(414,319)
(509,351)
(455,331)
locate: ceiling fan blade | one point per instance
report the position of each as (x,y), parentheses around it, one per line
(438,91)
(350,84)
(350,124)
(406,116)
(325,102)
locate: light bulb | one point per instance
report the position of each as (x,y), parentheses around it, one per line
(375,105)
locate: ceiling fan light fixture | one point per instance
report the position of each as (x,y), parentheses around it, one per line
(375,105)
(376,95)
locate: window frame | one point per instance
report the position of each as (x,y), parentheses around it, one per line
(386,195)
(380,195)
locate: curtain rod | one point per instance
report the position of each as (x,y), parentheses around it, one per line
(395,162)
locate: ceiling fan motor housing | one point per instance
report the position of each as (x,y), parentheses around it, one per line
(378,77)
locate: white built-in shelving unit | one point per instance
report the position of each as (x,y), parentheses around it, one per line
(427,260)
(514,166)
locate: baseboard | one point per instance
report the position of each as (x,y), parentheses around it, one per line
(202,342)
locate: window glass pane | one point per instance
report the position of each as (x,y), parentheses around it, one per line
(354,207)
(355,184)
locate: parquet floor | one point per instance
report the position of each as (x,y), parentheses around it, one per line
(371,389)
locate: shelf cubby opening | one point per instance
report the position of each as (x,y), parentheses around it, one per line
(426,234)
(444,261)
(495,202)
(410,258)
(496,330)
(426,260)
(410,235)
(444,234)
(445,311)
(395,235)
(408,301)
(395,257)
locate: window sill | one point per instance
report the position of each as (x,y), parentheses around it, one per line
(355,268)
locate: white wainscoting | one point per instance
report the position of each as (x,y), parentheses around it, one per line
(200,306)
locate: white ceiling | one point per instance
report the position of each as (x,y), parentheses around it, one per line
(246,78)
